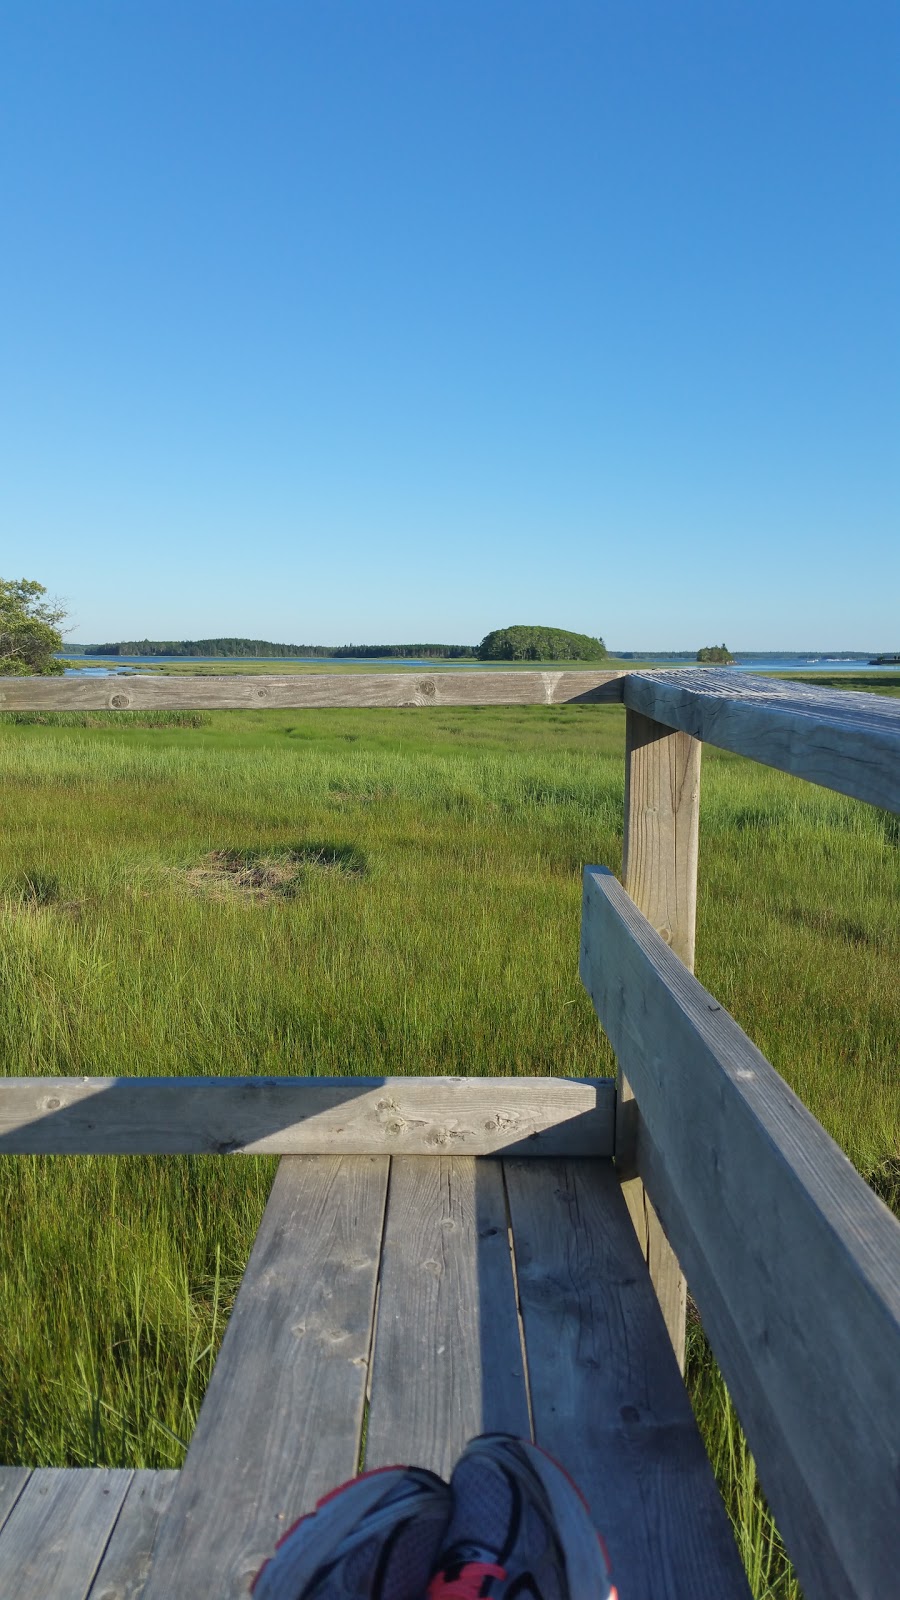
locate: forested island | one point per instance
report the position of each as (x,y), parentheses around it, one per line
(529,643)
(716,655)
(267,648)
(518,643)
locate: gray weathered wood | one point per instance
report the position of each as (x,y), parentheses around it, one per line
(659,870)
(451,687)
(12,1482)
(54,1538)
(668,1281)
(282,1419)
(447,1361)
(124,1568)
(793,1262)
(306,1116)
(662,820)
(835,737)
(606,1394)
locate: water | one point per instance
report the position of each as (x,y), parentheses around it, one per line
(116,665)
(113,665)
(814,664)
(810,663)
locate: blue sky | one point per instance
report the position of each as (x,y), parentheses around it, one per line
(406,319)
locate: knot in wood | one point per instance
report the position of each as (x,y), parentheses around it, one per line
(120,701)
(427,687)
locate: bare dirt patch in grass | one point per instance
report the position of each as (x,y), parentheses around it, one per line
(269,875)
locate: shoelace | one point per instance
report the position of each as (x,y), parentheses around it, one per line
(467,1583)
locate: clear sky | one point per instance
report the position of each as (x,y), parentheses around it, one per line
(387,320)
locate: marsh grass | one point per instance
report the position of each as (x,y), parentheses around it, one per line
(430,926)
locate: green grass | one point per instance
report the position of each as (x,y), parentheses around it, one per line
(432,926)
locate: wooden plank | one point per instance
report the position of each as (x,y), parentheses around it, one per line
(452,687)
(12,1482)
(55,1536)
(606,1394)
(668,1280)
(662,822)
(447,1361)
(835,737)
(659,870)
(282,1419)
(124,1568)
(306,1116)
(793,1262)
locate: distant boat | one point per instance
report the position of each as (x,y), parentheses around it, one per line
(885,661)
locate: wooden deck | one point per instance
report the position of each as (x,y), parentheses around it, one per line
(66,1533)
(460,1295)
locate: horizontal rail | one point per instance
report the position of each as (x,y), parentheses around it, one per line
(339,689)
(793,1262)
(837,738)
(834,737)
(307,1116)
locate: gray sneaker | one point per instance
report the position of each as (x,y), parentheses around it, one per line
(375,1538)
(520,1528)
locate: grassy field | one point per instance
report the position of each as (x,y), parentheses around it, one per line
(364,892)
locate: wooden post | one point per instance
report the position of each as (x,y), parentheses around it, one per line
(659,871)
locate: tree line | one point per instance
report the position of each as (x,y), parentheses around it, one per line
(31,641)
(268,647)
(518,643)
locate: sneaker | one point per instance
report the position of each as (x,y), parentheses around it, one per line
(519,1527)
(375,1538)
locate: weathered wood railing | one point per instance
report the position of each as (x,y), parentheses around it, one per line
(793,1262)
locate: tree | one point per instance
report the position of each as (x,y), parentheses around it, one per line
(29,630)
(718,653)
(521,643)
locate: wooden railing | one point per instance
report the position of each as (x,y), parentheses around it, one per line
(793,1262)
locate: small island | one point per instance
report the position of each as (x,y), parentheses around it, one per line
(526,643)
(715,655)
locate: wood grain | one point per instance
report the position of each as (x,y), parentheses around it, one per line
(447,1360)
(835,737)
(54,1538)
(607,1397)
(793,1262)
(459,687)
(12,1482)
(126,1563)
(282,1418)
(662,822)
(659,870)
(306,1116)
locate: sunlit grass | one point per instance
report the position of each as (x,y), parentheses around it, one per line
(450,946)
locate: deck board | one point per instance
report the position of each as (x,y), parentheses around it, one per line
(126,1562)
(12,1482)
(606,1393)
(53,1541)
(282,1418)
(447,1359)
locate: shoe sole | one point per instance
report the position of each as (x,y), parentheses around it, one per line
(587,1565)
